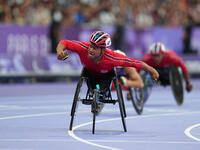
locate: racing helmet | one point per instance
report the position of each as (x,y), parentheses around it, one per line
(100,39)
(157,48)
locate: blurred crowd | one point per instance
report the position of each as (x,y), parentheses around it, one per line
(137,13)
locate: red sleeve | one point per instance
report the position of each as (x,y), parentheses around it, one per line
(74,46)
(124,61)
(176,60)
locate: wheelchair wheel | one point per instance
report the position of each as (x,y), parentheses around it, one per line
(94,109)
(74,105)
(120,104)
(148,85)
(137,98)
(123,105)
(176,84)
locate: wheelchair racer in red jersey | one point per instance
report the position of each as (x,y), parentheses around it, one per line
(97,58)
(161,59)
(99,61)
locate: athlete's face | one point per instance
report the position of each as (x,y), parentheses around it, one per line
(158,58)
(94,52)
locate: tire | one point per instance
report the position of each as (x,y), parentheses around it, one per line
(148,85)
(123,105)
(74,105)
(176,83)
(94,109)
(137,98)
(120,105)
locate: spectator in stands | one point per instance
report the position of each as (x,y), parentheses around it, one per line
(140,14)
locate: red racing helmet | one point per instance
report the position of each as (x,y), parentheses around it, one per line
(100,39)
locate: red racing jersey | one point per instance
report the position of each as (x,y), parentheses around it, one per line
(109,60)
(170,58)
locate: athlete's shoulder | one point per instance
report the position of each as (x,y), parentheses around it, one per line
(81,43)
(113,55)
(147,56)
(170,54)
(108,51)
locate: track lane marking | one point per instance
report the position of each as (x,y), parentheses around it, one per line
(71,133)
(100,141)
(188,130)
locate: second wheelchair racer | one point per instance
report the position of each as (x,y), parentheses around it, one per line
(161,59)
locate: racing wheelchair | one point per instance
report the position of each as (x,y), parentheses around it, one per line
(98,93)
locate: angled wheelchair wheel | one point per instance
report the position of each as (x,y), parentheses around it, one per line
(74,104)
(122,111)
(121,95)
(148,85)
(137,98)
(175,78)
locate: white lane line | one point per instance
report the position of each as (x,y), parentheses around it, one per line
(71,133)
(32,115)
(37,140)
(39,115)
(18,107)
(14,149)
(141,141)
(57,113)
(48,114)
(99,141)
(188,130)
(53,96)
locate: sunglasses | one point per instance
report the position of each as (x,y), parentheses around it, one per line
(93,46)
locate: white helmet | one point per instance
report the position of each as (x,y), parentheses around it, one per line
(118,51)
(157,48)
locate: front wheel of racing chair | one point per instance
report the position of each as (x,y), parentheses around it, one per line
(96,105)
(176,83)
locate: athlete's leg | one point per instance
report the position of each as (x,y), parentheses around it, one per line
(163,76)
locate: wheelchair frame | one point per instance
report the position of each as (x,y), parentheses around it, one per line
(93,100)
